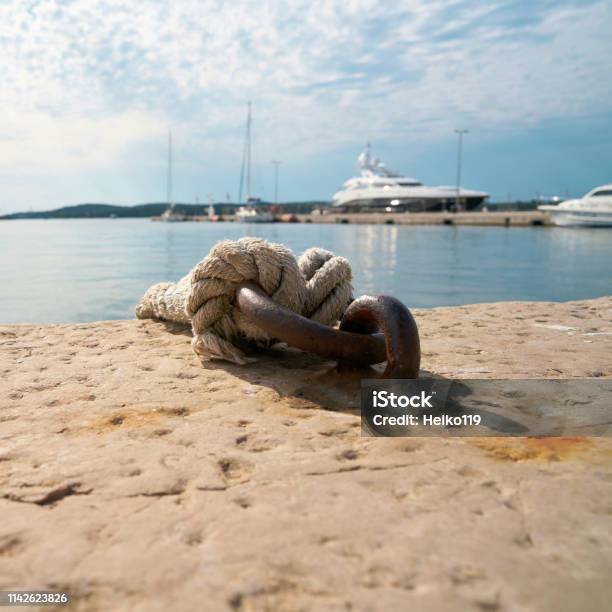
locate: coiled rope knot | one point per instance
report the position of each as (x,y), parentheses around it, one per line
(317,286)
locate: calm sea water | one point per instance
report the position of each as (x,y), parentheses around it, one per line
(87,270)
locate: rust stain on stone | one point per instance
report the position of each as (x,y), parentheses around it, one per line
(131,418)
(534,449)
(126,418)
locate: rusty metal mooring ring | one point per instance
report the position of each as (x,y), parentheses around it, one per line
(354,342)
(387,314)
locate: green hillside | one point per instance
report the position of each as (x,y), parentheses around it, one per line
(101,211)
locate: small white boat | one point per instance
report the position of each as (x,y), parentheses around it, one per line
(591,210)
(171,214)
(252,213)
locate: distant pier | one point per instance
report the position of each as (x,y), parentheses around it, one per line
(489,218)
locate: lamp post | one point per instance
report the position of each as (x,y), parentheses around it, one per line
(276,165)
(460,133)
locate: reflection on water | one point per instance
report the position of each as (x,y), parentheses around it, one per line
(87,270)
(370,245)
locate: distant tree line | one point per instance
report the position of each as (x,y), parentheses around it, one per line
(100,211)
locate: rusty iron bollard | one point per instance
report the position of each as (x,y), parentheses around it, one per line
(355,342)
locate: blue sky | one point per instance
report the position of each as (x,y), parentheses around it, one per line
(89,90)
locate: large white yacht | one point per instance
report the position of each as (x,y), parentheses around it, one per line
(378,188)
(592,210)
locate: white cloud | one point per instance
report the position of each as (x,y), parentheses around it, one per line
(82,81)
(66,142)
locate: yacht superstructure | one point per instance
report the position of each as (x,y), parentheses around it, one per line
(378,188)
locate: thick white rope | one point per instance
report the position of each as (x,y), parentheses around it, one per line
(318,286)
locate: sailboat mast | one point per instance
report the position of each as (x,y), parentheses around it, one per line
(169,182)
(248,169)
(246,159)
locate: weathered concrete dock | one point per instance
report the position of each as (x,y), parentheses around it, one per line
(137,479)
